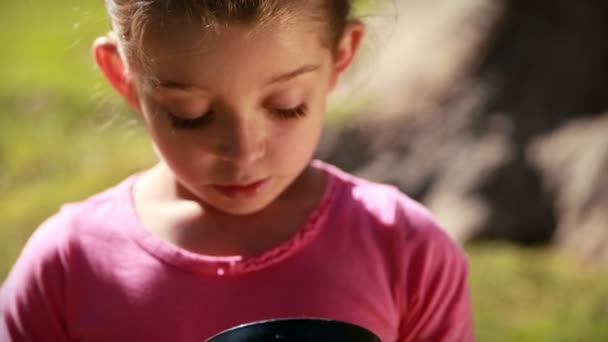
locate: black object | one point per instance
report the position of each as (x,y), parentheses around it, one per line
(296,330)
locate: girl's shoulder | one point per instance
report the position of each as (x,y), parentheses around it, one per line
(76,220)
(383,209)
(56,253)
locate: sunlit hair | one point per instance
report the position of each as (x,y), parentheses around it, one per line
(131,19)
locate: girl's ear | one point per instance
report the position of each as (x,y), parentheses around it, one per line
(105,51)
(347,48)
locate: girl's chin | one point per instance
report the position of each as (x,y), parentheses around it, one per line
(249,192)
(243,204)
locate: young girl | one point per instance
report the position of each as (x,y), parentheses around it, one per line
(235,224)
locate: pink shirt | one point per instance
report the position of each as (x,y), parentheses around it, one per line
(368,255)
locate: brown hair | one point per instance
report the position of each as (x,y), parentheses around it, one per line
(131,18)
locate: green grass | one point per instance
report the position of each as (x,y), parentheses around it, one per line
(536,295)
(64,136)
(47,44)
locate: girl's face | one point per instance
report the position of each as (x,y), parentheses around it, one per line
(236,115)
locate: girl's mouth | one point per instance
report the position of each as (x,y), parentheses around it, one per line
(242,191)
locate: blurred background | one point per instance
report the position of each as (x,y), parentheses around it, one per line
(493,113)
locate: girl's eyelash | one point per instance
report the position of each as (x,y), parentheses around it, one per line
(182,123)
(299,111)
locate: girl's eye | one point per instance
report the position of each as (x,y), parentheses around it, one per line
(290,113)
(182,123)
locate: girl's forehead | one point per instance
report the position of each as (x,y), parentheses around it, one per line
(187,53)
(177,40)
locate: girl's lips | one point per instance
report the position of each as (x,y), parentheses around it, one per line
(243,191)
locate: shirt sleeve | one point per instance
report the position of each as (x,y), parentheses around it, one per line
(32,299)
(437,303)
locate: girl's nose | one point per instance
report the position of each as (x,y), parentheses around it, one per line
(242,141)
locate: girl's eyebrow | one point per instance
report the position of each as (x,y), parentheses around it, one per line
(174,85)
(292,74)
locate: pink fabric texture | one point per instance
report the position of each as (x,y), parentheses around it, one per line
(368,255)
